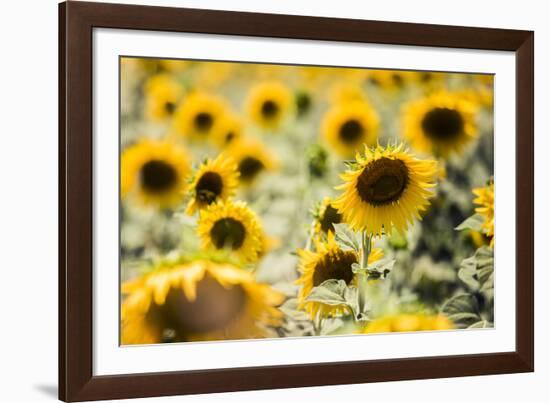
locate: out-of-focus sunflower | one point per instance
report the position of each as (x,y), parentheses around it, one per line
(343,92)
(231,129)
(197,301)
(441,124)
(252,158)
(346,127)
(269,104)
(173,65)
(231,226)
(213,181)
(327,263)
(163,94)
(326,215)
(386,188)
(486,201)
(408,323)
(427,79)
(199,116)
(389,80)
(156,171)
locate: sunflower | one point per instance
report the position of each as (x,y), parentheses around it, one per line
(347,126)
(408,323)
(389,80)
(173,65)
(231,129)
(269,104)
(327,263)
(326,215)
(486,201)
(233,226)
(199,116)
(213,181)
(252,158)
(156,171)
(441,124)
(385,188)
(162,94)
(197,301)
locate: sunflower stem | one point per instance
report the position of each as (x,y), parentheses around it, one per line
(366,246)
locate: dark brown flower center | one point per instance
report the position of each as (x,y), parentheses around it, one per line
(228,233)
(229,136)
(351,131)
(204,121)
(330,217)
(382,181)
(170,107)
(209,187)
(214,308)
(270,109)
(158,176)
(334,265)
(249,167)
(443,124)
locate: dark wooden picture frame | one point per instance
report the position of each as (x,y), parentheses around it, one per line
(77,21)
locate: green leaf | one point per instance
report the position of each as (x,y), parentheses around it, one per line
(330,326)
(477,271)
(473,222)
(330,292)
(290,309)
(462,309)
(336,292)
(482,324)
(346,238)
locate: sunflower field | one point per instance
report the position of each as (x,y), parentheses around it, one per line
(262,200)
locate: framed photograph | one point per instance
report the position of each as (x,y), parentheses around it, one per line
(253,201)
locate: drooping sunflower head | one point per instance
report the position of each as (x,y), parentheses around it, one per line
(408,322)
(213,181)
(326,215)
(328,262)
(486,201)
(252,159)
(231,226)
(440,124)
(348,126)
(269,104)
(231,129)
(163,93)
(197,301)
(199,116)
(155,171)
(385,188)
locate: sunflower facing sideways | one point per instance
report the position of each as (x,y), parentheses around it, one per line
(269,104)
(231,129)
(231,226)
(162,94)
(385,188)
(252,159)
(199,117)
(326,215)
(213,181)
(440,124)
(197,301)
(347,126)
(486,201)
(155,171)
(327,263)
